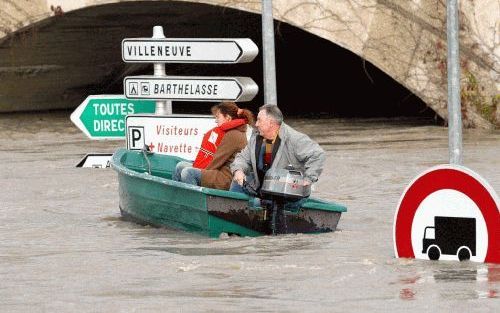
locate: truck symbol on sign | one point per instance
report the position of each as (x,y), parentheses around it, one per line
(452,236)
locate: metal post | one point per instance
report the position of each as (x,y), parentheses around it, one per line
(268,53)
(162,107)
(454,107)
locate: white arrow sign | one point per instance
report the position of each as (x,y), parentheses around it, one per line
(187,88)
(189,50)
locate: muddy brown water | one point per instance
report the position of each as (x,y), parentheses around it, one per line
(64,247)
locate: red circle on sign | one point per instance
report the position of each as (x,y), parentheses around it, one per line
(446,177)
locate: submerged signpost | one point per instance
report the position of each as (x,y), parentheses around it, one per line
(449,212)
(164,89)
(104,116)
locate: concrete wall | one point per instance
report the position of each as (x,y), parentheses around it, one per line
(404,38)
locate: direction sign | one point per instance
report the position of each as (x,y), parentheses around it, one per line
(95,160)
(178,135)
(188,50)
(188,88)
(103,116)
(448,212)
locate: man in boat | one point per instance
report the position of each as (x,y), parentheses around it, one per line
(218,148)
(274,144)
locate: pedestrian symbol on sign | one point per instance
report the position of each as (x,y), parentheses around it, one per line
(133,88)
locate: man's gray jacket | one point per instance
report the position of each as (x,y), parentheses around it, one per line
(295,148)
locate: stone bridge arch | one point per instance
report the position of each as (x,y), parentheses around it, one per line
(404,38)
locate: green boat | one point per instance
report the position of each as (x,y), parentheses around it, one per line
(148,196)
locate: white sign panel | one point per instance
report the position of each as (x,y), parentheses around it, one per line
(178,135)
(448,212)
(95,160)
(189,50)
(186,88)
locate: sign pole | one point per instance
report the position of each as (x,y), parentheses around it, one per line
(458,212)
(454,106)
(268,51)
(162,107)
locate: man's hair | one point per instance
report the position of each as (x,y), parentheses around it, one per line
(273,111)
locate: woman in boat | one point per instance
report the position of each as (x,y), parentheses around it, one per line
(218,148)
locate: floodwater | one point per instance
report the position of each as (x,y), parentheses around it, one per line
(64,247)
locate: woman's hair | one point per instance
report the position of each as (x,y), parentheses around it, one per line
(231,109)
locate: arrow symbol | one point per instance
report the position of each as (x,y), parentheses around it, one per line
(103,116)
(189,50)
(186,88)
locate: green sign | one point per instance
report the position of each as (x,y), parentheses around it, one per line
(103,116)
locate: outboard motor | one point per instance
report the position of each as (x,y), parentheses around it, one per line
(287,183)
(281,186)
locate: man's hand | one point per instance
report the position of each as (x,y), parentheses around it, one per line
(239,177)
(306,182)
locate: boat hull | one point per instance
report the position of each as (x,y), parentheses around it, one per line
(156,200)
